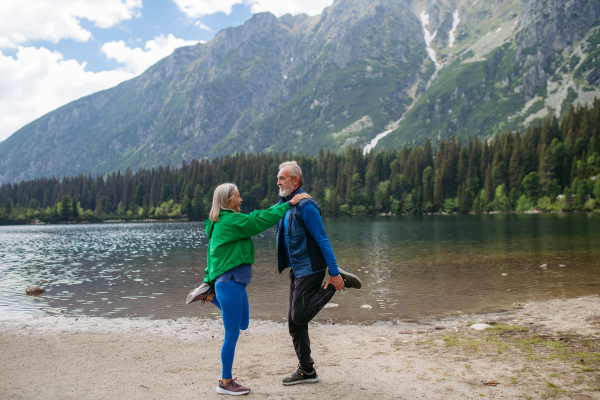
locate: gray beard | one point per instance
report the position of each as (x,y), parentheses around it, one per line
(285,192)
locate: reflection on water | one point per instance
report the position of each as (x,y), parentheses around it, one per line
(411,267)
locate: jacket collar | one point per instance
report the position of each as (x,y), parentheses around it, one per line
(295,192)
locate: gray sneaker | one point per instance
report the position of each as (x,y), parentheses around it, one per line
(232,387)
(350,280)
(199,294)
(300,376)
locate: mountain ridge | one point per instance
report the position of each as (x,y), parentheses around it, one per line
(339,79)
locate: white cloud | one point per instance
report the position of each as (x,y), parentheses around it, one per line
(200,8)
(202,26)
(294,7)
(136,60)
(25,20)
(37,81)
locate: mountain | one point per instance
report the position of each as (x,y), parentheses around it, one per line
(511,64)
(394,71)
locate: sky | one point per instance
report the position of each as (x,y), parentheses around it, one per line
(54,52)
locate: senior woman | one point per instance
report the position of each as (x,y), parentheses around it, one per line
(230,256)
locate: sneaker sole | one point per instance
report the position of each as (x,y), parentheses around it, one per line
(196,295)
(313,380)
(354,278)
(225,391)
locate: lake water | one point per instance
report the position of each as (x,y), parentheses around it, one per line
(411,267)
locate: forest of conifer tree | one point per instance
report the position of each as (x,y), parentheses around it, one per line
(551,166)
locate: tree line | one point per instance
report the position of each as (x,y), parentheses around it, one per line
(551,166)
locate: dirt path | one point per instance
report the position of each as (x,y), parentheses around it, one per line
(545,349)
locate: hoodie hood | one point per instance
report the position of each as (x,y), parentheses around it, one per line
(208,227)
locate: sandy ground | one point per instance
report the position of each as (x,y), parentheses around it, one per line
(545,349)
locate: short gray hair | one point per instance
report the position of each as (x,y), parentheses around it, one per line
(221,197)
(294,169)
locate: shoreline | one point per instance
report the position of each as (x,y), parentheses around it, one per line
(150,220)
(534,351)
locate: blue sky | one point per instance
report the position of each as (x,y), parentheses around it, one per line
(54,52)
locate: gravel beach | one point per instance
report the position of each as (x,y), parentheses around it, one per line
(538,350)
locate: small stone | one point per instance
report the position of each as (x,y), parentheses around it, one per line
(366,306)
(480,327)
(34,290)
(330,305)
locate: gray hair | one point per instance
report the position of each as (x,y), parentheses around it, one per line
(294,170)
(221,197)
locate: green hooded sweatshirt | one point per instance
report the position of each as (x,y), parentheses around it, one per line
(230,238)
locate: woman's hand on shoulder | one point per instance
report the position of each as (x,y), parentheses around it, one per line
(299,197)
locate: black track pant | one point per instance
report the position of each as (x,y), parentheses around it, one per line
(307,298)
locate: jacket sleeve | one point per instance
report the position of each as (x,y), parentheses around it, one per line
(248,225)
(314,224)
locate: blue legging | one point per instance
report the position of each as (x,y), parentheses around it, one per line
(232,300)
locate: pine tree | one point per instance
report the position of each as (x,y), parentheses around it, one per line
(489,189)
(438,191)
(7,209)
(74,208)
(463,163)
(546,166)
(138,198)
(153,201)
(198,205)
(65,211)
(428,184)
(514,168)
(532,186)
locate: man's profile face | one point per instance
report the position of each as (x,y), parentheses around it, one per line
(285,182)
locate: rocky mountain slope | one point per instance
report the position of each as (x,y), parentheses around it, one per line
(510,64)
(376,74)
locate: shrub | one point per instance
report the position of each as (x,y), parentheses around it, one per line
(524,204)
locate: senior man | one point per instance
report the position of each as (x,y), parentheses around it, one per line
(302,245)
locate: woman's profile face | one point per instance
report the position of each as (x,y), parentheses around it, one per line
(234,203)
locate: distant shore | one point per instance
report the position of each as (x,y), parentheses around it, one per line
(116,220)
(539,349)
(110,221)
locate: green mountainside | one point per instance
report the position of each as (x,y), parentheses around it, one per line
(332,81)
(513,63)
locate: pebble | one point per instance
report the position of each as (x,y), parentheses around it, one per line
(34,290)
(480,327)
(366,306)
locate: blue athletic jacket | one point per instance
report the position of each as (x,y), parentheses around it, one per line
(306,253)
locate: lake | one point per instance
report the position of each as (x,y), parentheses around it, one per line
(412,267)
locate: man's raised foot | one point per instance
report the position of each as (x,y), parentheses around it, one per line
(350,280)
